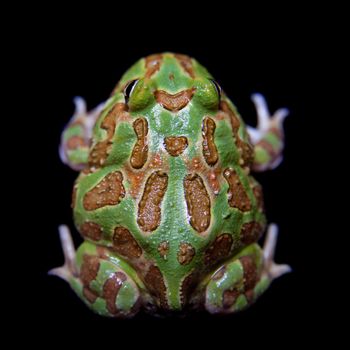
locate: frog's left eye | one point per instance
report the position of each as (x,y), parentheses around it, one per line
(217,87)
(129,89)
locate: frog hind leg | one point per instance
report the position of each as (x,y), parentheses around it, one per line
(76,136)
(106,287)
(241,280)
(268,136)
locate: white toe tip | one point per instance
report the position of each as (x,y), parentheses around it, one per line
(276,270)
(80,105)
(281,114)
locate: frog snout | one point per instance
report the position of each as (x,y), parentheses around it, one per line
(174,102)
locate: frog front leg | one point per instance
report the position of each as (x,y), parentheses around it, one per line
(241,280)
(268,137)
(106,284)
(76,137)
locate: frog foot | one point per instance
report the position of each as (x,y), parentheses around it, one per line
(76,137)
(69,268)
(271,269)
(241,280)
(268,136)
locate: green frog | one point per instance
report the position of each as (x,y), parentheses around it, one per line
(165,200)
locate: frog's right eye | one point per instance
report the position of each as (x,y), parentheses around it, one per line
(129,88)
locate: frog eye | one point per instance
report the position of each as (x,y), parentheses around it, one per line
(217,87)
(129,89)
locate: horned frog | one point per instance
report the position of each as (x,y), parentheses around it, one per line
(165,200)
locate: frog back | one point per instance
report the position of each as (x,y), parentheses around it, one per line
(167,186)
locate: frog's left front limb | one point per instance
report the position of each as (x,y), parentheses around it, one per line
(241,280)
(76,137)
(106,284)
(268,137)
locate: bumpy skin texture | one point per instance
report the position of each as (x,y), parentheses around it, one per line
(165,199)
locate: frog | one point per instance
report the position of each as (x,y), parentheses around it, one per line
(165,199)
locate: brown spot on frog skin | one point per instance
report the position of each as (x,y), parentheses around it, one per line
(185,254)
(74,196)
(75,142)
(163,249)
(152,64)
(258,194)
(250,274)
(198,202)
(99,154)
(102,252)
(149,213)
(235,123)
(110,290)
(186,63)
(109,191)
(175,145)
(91,230)
(174,102)
(125,244)
(109,122)
(187,287)
(155,283)
(249,294)
(247,153)
(219,249)
(246,150)
(140,150)
(89,269)
(100,151)
(220,116)
(210,152)
(237,196)
(251,232)
(86,171)
(229,297)
(89,295)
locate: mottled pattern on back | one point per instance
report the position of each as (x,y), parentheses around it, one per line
(165,199)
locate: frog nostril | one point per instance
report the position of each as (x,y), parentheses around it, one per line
(174,102)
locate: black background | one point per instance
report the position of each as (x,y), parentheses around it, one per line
(244,58)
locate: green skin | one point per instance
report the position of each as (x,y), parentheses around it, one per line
(175,227)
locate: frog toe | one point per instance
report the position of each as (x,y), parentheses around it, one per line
(69,268)
(271,269)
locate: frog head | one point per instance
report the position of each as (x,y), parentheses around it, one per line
(171,81)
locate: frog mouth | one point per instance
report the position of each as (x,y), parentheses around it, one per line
(174,102)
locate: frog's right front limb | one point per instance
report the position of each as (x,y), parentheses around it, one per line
(76,137)
(268,136)
(106,284)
